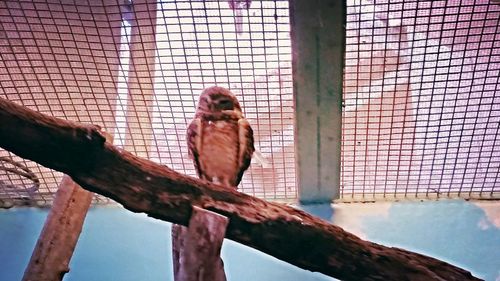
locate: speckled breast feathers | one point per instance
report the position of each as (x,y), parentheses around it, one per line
(220,139)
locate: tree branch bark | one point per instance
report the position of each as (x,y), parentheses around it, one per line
(140,185)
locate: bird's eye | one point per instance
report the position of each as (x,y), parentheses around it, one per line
(225,104)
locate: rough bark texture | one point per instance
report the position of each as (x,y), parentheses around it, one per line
(196,248)
(143,186)
(54,248)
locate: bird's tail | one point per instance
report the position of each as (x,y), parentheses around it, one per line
(257,155)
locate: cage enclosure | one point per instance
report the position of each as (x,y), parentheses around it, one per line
(349,101)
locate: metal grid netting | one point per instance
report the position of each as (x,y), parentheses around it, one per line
(421,105)
(246,49)
(137,68)
(422,100)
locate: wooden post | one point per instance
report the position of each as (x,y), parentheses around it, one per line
(318,37)
(196,248)
(54,248)
(57,241)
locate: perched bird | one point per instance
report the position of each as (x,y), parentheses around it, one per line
(220,139)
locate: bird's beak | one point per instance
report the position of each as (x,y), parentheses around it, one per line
(209,102)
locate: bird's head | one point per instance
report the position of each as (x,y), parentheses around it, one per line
(218,100)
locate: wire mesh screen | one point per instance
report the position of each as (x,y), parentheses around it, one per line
(421,97)
(59,60)
(244,47)
(422,100)
(137,67)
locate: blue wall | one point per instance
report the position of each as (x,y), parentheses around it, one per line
(466,234)
(120,245)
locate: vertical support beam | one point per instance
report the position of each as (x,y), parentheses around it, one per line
(141,78)
(196,249)
(318,41)
(107,17)
(54,248)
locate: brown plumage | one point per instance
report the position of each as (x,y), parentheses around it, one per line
(220,139)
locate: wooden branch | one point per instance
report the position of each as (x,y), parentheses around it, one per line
(57,241)
(196,248)
(143,186)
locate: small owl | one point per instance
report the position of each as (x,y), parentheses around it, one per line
(220,139)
